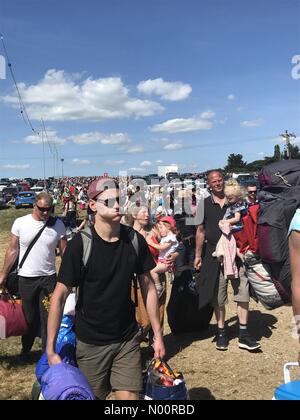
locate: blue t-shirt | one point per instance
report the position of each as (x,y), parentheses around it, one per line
(295,223)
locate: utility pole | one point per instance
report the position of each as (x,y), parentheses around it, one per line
(44,161)
(287,138)
(62,167)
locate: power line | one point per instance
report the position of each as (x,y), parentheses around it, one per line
(52,148)
(23,110)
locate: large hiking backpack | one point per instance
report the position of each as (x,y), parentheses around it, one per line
(280,173)
(262,276)
(279,199)
(277,208)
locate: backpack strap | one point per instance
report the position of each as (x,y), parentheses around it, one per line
(135,243)
(50,222)
(134,240)
(87,241)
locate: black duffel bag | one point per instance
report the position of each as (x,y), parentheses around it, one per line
(183,310)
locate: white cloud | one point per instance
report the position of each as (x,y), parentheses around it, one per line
(114,162)
(136,170)
(252,123)
(173,146)
(146,163)
(231,97)
(96,137)
(80,162)
(51,137)
(16,167)
(185,125)
(159,162)
(240,108)
(59,97)
(207,115)
(135,149)
(261,153)
(169,91)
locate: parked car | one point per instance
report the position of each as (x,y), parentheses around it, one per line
(10,193)
(25,186)
(2,201)
(25,199)
(3,185)
(172,175)
(37,190)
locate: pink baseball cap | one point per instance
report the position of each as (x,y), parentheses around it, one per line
(168,219)
(97,187)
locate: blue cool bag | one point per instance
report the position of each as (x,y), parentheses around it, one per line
(290,390)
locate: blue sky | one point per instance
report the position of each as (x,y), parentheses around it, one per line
(133,84)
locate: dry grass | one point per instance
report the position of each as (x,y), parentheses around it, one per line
(232,375)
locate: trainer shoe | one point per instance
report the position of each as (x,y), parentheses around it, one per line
(247,342)
(222,340)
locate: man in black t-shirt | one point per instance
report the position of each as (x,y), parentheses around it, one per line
(108,350)
(211,282)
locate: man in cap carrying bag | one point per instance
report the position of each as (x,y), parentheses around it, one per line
(108,346)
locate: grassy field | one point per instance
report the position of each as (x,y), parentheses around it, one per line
(232,375)
(8,215)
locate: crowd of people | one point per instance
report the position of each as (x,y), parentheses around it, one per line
(135,231)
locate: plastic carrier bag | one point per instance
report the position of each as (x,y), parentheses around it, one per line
(162,383)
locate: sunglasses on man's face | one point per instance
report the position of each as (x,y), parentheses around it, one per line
(109,202)
(43,209)
(252,192)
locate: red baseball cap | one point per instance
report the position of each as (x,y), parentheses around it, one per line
(168,219)
(97,187)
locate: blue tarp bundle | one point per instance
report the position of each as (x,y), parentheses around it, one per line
(65,382)
(65,347)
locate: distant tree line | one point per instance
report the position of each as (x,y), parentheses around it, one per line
(236,163)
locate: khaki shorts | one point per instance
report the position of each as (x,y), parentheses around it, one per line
(113,367)
(240,288)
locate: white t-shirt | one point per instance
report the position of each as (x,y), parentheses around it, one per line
(166,252)
(41,259)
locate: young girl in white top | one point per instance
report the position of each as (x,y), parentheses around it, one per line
(168,245)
